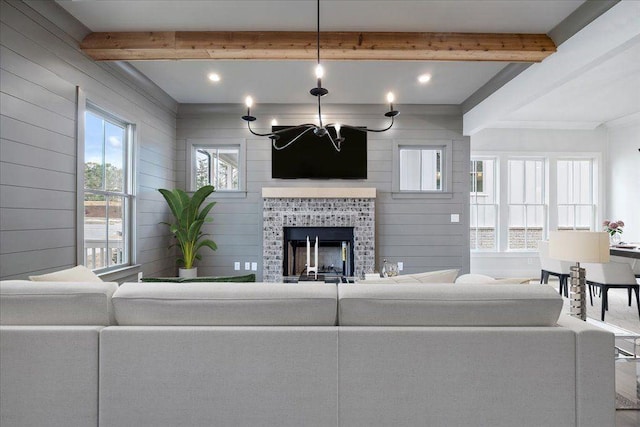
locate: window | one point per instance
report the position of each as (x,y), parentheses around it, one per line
(515,200)
(216,162)
(108,191)
(422,167)
(576,210)
(484,206)
(526,202)
(217,166)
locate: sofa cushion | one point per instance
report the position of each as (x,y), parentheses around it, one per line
(446,305)
(439,276)
(56,303)
(75,274)
(216,304)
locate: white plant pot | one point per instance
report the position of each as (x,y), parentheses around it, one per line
(188,273)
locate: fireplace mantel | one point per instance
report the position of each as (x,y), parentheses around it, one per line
(318,193)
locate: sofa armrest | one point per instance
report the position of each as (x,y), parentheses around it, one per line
(595,373)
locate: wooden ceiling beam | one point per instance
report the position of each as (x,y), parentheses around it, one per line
(297,45)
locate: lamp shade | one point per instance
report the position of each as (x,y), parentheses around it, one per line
(579,246)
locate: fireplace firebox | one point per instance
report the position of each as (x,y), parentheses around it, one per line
(335,251)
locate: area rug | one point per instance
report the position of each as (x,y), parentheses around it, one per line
(624,403)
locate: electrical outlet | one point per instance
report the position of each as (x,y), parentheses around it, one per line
(400,266)
(247,265)
(254,266)
(455,217)
(236,265)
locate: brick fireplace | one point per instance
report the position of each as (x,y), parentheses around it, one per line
(317,207)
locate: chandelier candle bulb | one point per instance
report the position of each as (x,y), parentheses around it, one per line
(319,75)
(390,99)
(248,102)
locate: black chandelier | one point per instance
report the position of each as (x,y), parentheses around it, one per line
(320,130)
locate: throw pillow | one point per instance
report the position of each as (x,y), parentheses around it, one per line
(475,278)
(470,279)
(408,278)
(439,276)
(75,274)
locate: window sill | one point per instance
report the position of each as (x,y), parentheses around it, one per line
(519,254)
(226,194)
(120,274)
(421,195)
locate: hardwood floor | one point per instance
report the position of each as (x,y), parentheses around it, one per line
(625,317)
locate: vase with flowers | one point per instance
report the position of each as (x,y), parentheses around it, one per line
(614,228)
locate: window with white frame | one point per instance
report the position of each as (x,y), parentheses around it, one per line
(217,166)
(108,197)
(576,210)
(216,162)
(505,186)
(526,203)
(421,169)
(484,204)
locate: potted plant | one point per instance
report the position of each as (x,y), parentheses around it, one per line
(188,224)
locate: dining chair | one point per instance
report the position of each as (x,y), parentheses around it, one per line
(611,275)
(553,267)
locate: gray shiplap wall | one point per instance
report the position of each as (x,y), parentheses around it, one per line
(416,231)
(40,66)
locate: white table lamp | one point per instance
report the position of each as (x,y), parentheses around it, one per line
(579,246)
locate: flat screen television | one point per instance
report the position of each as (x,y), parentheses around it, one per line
(315,158)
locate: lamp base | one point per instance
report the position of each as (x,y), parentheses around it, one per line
(577,292)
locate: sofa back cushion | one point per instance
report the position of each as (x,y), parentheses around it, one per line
(226,304)
(56,303)
(447,305)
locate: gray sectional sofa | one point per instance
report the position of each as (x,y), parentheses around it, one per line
(258,354)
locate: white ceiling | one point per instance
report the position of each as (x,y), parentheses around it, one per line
(605,90)
(527,16)
(348,82)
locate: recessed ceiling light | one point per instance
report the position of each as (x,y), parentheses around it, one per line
(214,77)
(424,78)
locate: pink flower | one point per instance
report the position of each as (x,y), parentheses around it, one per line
(620,223)
(606,223)
(613,225)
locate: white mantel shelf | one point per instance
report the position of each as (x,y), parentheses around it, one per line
(318,193)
